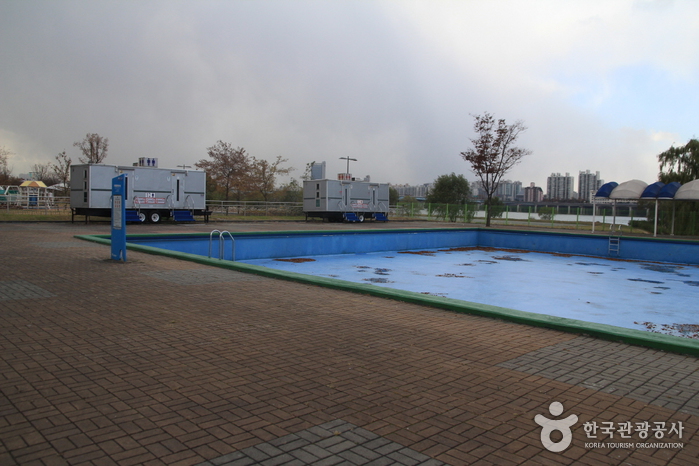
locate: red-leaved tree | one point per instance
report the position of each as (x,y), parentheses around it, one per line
(493,153)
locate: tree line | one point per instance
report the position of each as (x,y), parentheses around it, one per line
(93,148)
(234,174)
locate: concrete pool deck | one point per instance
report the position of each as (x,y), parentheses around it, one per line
(160,361)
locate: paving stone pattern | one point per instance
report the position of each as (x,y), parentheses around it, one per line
(201,276)
(21,289)
(663,379)
(335,443)
(65,244)
(111,363)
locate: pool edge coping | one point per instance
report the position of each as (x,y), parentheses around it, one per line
(663,342)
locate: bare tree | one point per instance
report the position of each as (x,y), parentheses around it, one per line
(493,153)
(43,172)
(6,176)
(61,169)
(228,168)
(5,169)
(307,172)
(264,175)
(94,148)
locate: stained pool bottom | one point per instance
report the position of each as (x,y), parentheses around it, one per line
(656,297)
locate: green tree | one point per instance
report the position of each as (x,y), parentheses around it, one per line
(679,164)
(393,196)
(291,192)
(496,208)
(493,153)
(546,213)
(449,196)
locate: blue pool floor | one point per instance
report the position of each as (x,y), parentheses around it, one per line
(648,296)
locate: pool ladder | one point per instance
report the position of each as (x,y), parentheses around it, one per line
(221,243)
(614,240)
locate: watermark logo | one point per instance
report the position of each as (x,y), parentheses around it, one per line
(548,426)
(648,432)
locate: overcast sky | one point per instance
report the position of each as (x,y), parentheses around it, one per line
(602,85)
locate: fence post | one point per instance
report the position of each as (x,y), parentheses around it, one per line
(529,216)
(507,214)
(631,222)
(577,219)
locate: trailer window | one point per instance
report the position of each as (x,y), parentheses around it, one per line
(126,187)
(178,190)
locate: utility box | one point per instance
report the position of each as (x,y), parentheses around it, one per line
(338,200)
(150,194)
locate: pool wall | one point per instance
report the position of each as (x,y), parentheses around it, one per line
(294,244)
(249,246)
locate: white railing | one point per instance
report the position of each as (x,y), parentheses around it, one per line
(255,208)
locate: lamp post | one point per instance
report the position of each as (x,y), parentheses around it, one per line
(348,161)
(184,167)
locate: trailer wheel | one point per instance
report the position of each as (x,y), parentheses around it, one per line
(361,218)
(154,217)
(142,217)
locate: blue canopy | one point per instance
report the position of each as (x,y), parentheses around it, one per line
(652,190)
(606,189)
(669,191)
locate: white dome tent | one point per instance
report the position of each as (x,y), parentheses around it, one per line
(637,189)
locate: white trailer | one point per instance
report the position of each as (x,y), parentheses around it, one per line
(151,193)
(338,200)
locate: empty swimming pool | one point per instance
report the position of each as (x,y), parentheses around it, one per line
(559,280)
(631,294)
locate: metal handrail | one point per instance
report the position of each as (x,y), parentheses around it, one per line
(171,205)
(137,204)
(189,196)
(221,244)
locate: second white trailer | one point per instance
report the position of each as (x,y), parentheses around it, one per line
(338,200)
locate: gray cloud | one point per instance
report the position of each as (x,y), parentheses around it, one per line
(305,80)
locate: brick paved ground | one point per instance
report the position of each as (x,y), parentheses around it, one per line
(159,361)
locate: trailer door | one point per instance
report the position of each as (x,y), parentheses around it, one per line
(346,196)
(373,197)
(178,196)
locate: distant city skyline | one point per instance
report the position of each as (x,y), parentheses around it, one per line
(558,187)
